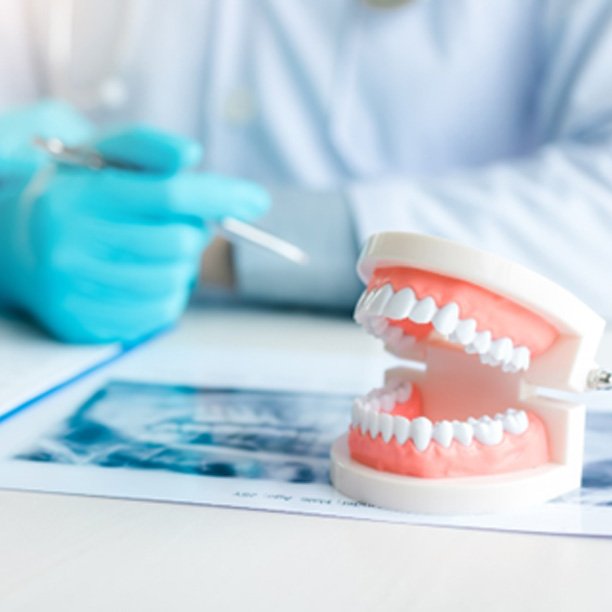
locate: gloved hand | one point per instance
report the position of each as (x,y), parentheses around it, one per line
(111,255)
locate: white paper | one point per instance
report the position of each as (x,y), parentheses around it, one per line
(31,363)
(131,430)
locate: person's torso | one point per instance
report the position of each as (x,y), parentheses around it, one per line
(316,93)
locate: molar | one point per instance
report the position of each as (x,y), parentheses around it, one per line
(481,343)
(403,392)
(463,432)
(502,350)
(489,432)
(515,421)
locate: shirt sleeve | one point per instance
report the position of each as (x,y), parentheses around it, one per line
(551,210)
(322,225)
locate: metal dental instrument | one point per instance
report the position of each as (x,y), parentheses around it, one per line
(84,157)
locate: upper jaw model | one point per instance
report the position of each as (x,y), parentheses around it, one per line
(465,428)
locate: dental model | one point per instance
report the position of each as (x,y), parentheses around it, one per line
(464,427)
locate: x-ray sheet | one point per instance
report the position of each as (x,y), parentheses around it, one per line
(244,448)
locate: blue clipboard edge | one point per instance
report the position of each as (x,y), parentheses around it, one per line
(121,352)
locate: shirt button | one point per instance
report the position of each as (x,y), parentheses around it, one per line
(239,107)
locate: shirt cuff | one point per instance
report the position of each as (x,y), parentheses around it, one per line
(321,224)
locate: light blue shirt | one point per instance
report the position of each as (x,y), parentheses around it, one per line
(488,122)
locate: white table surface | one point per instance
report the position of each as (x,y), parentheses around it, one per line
(77,553)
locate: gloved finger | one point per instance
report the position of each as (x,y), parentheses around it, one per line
(112,280)
(87,319)
(136,242)
(155,151)
(48,119)
(202,196)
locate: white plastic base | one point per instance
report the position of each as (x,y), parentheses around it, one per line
(470,495)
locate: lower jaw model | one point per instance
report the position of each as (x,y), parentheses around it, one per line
(463,427)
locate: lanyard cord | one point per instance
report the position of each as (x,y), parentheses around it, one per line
(54,50)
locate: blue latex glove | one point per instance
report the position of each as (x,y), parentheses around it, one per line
(111,255)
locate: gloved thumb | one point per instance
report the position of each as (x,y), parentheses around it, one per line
(153,150)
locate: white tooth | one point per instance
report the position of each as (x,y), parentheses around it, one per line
(379,325)
(508,367)
(424,310)
(403,393)
(463,432)
(360,303)
(485,418)
(515,421)
(488,359)
(367,300)
(393,334)
(420,432)
(373,424)
(521,357)
(502,349)
(489,433)
(465,331)
(372,402)
(386,426)
(401,304)
(446,319)
(482,342)
(387,402)
(357,412)
(472,421)
(404,345)
(378,303)
(365,417)
(523,419)
(401,429)
(443,433)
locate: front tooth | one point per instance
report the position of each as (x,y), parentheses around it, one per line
(463,432)
(420,432)
(373,424)
(378,303)
(443,433)
(387,402)
(465,333)
(424,310)
(392,334)
(372,401)
(401,429)
(401,304)
(360,303)
(379,325)
(403,393)
(386,426)
(357,412)
(502,349)
(482,342)
(446,319)
(365,420)
(489,432)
